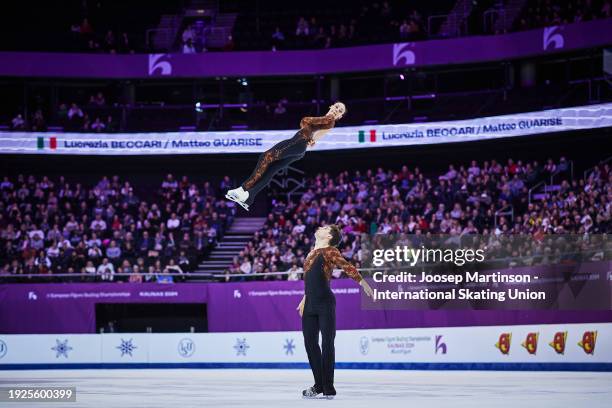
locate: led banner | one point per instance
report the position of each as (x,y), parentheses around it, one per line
(463,50)
(353,137)
(558,346)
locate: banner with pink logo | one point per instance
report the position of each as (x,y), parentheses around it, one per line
(465,50)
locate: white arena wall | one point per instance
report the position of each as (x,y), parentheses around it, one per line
(531,347)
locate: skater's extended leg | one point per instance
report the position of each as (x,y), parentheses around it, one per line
(310,329)
(270,162)
(327,323)
(268,170)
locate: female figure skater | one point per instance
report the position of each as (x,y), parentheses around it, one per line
(284,153)
(318,308)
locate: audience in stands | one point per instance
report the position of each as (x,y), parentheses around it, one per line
(93,117)
(18,123)
(188,47)
(88,39)
(373,23)
(94,27)
(278,39)
(52,226)
(541,13)
(471,199)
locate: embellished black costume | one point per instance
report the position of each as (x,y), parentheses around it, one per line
(284,153)
(320,313)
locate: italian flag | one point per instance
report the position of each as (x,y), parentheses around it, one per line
(50,144)
(362,136)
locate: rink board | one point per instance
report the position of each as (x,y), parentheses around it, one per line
(269,306)
(525,347)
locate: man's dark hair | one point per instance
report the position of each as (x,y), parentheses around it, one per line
(336,235)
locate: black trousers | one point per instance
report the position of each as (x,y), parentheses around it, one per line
(272,161)
(317,318)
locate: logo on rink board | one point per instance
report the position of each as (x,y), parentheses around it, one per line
(440,345)
(588,342)
(3,348)
(241,347)
(364,345)
(558,343)
(503,344)
(531,342)
(61,348)
(126,347)
(289,346)
(186,347)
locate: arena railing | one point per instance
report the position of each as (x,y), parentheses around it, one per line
(533,189)
(588,171)
(507,210)
(490,18)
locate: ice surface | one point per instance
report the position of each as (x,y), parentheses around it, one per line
(177,388)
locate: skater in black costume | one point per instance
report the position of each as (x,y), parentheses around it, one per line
(284,153)
(318,307)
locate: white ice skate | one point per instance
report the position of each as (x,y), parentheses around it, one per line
(311,393)
(238,195)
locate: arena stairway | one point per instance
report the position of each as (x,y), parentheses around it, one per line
(507,14)
(454,23)
(220,26)
(234,241)
(163,37)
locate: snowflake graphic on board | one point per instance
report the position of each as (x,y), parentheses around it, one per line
(289,346)
(241,347)
(126,347)
(61,348)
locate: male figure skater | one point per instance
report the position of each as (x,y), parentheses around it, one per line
(318,307)
(284,153)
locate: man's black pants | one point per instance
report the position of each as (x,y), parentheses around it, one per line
(321,317)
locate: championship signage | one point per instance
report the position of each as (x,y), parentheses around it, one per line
(353,137)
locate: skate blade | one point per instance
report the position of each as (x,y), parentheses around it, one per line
(327,397)
(234,199)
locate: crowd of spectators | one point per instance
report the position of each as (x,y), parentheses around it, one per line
(37,123)
(541,13)
(366,23)
(374,22)
(110,233)
(87,38)
(51,226)
(95,116)
(108,27)
(470,199)
(388,21)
